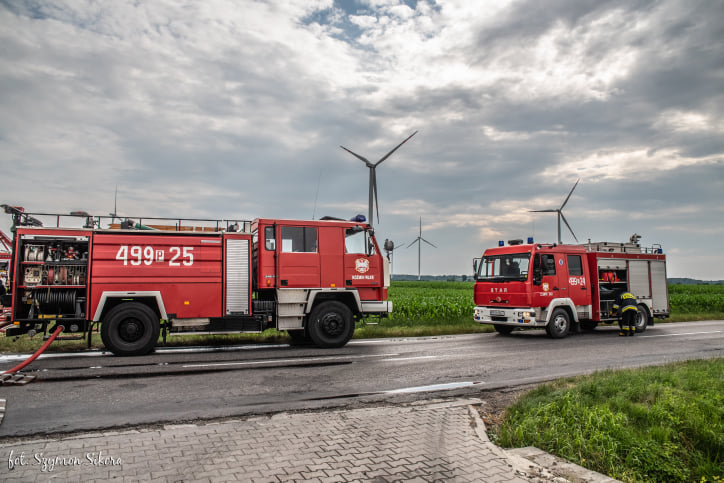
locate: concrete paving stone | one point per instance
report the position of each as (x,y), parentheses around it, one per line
(396,443)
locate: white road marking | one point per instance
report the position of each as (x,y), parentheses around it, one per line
(409,358)
(683,333)
(434,387)
(160,350)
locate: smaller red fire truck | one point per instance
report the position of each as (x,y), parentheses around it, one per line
(313,279)
(567,287)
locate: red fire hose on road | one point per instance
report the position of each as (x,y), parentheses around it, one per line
(38,352)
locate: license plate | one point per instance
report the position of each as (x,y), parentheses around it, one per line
(497,313)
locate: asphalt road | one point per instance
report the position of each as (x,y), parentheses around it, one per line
(94,390)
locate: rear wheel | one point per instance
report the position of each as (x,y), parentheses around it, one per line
(330,324)
(642,319)
(559,324)
(130,329)
(503,329)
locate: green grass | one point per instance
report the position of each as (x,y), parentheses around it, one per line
(420,309)
(659,424)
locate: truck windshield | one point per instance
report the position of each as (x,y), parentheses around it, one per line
(511,266)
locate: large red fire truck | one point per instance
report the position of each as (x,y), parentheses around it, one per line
(313,279)
(567,287)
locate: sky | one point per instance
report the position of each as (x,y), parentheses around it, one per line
(237,109)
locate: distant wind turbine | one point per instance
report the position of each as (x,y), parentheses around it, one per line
(560,214)
(418,240)
(373,176)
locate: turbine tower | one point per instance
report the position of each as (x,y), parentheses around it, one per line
(419,241)
(373,176)
(560,214)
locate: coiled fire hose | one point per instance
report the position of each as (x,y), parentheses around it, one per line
(38,352)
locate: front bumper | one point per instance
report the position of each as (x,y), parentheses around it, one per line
(383,307)
(518,316)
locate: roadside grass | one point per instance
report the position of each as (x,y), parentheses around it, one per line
(656,424)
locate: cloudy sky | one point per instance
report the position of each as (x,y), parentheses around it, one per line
(237,109)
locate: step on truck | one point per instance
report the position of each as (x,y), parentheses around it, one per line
(566,288)
(313,279)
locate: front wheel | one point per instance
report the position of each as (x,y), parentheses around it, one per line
(642,319)
(130,329)
(559,324)
(330,324)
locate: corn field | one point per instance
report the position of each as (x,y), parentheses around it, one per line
(696,299)
(415,302)
(452,302)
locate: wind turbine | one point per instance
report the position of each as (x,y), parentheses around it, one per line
(373,175)
(418,240)
(560,214)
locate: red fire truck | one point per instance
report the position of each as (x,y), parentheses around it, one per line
(567,287)
(313,279)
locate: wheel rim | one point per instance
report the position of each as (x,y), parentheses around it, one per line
(332,324)
(130,330)
(559,324)
(641,319)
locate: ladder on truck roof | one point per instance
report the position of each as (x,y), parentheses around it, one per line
(633,246)
(63,220)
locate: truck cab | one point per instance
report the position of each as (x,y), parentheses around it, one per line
(320,275)
(522,285)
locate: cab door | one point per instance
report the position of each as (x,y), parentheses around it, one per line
(552,283)
(361,262)
(298,257)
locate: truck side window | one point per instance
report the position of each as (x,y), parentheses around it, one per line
(269,239)
(574,265)
(355,241)
(549,265)
(299,239)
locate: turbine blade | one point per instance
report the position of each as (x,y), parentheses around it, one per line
(569,194)
(395,149)
(374,188)
(542,211)
(432,245)
(416,241)
(569,227)
(361,158)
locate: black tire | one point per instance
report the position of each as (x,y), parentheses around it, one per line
(503,329)
(130,329)
(330,324)
(559,324)
(642,319)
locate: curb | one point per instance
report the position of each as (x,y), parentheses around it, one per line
(531,460)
